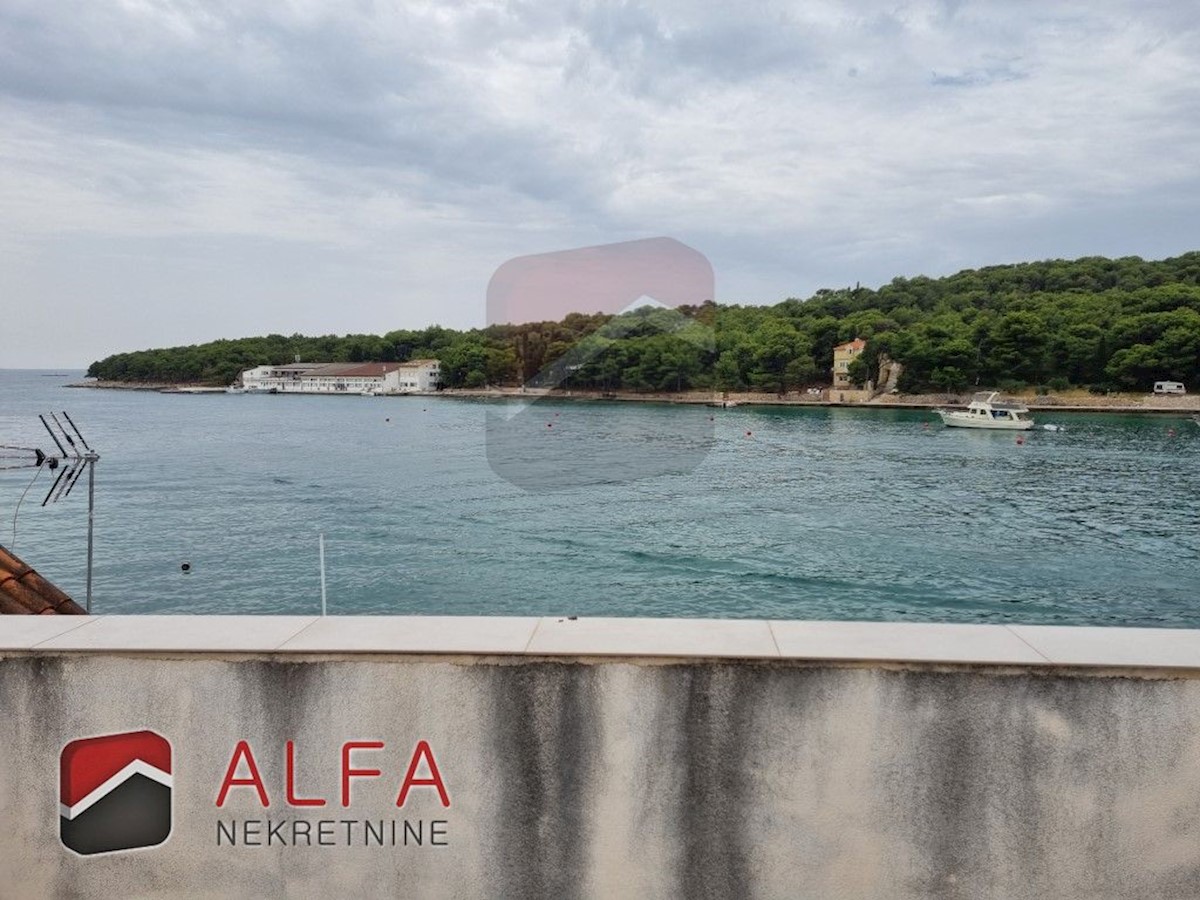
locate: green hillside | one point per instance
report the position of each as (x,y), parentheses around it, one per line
(1095,322)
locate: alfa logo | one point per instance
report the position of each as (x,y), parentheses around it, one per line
(115,792)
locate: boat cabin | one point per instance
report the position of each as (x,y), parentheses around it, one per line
(988,405)
(995,413)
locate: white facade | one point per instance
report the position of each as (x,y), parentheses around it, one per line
(418,376)
(412,377)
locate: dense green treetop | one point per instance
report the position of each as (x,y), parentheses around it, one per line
(1097,322)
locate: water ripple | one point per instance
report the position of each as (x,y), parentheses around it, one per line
(852,514)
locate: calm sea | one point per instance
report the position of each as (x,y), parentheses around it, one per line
(815,514)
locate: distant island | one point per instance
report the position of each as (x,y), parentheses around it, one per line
(1093,323)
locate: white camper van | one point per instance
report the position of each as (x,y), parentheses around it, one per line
(1169,387)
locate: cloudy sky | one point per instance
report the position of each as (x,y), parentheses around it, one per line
(173,172)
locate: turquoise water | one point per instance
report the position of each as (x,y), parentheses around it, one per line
(817,514)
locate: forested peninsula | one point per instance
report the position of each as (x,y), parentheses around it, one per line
(1103,324)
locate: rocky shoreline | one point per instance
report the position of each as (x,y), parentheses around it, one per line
(1067,401)
(1071,401)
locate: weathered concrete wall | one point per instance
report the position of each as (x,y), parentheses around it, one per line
(609,779)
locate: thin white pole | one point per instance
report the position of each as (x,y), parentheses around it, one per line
(91,464)
(321,544)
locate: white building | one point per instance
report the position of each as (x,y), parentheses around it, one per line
(416,376)
(419,375)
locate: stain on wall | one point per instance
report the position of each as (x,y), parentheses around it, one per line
(609,779)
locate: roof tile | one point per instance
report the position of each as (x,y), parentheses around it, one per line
(24,592)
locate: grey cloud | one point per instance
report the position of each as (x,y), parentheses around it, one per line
(320,88)
(406,151)
(655,56)
(978,77)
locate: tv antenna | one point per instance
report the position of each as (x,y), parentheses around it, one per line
(72,459)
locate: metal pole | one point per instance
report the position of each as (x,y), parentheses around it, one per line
(91,515)
(321,544)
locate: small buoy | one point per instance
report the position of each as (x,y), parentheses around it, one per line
(388,419)
(749,434)
(549,424)
(1020,440)
(557,414)
(186,567)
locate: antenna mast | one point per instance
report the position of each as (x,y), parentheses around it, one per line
(72,462)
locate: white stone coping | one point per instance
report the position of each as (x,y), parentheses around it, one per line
(933,643)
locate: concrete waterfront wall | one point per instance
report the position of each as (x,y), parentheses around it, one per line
(991,764)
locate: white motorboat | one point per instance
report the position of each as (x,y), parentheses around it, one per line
(235,389)
(988,411)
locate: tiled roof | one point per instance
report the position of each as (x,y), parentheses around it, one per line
(24,592)
(341,370)
(356,370)
(351,370)
(359,370)
(856,344)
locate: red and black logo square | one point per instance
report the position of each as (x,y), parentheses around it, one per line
(115,792)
